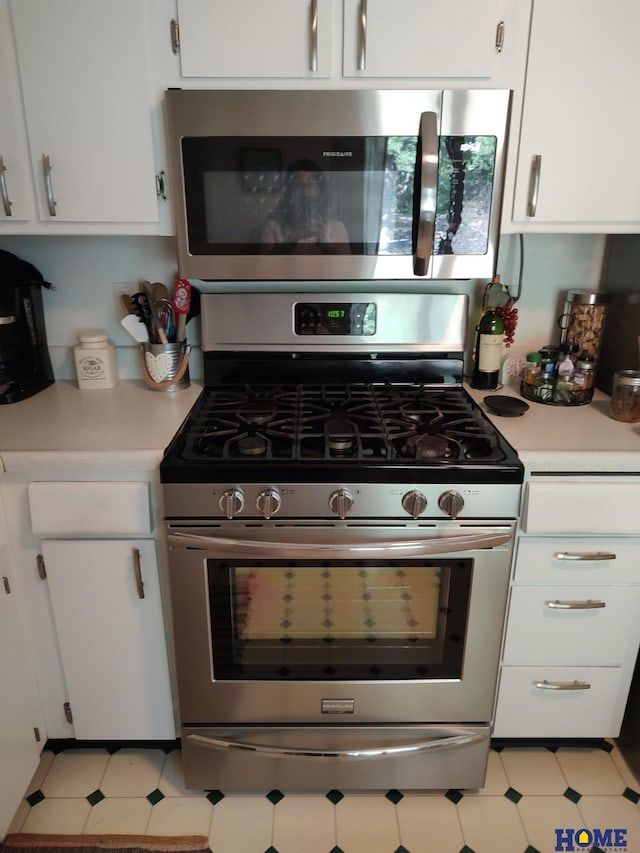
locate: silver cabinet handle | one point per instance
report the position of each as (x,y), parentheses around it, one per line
(362,37)
(584,556)
(46,168)
(338,550)
(562,685)
(432,745)
(534,184)
(426,202)
(590,604)
(6,201)
(137,571)
(313,64)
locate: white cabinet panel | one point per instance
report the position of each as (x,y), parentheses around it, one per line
(526,710)
(421,38)
(111,640)
(587,507)
(251,38)
(540,631)
(90,508)
(580,115)
(87,104)
(581,560)
(17,202)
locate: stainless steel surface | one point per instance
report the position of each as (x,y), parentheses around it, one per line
(584,556)
(370,500)
(362,37)
(4,192)
(46,168)
(322,113)
(590,604)
(407,322)
(534,184)
(202,697)
(461,765)
(451,502)
(428,147)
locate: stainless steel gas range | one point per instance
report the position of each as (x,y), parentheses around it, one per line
(340,519)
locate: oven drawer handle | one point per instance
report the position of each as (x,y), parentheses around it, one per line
(432,745)
(589,604)
(392,547)
(584,556)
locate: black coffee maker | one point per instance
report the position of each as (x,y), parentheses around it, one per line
(25,366)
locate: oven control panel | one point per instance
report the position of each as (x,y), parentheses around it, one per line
(420,501)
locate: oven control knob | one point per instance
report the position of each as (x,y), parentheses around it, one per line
(451,502)
(341,502)
(414,503)
(231,502)
(268,502)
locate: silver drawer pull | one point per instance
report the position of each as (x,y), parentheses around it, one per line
(4,192)
(534,185)
(584,556)
(562,685)
(432,745)
(589,604)
(314,36)
(46,168)
(137,572)
(362,37)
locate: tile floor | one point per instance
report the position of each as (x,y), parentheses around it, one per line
(529,794)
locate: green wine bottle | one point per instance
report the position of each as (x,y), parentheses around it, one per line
(487,357)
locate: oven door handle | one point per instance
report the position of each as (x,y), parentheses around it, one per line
(431,745)
(369,549)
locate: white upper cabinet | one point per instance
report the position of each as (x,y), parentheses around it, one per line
(422,38)
(17,202)
(254,38)
(577,167)
(87,105)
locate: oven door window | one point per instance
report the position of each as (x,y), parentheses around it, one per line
(333,195)
(364,620)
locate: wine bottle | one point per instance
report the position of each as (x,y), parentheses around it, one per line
(487,357)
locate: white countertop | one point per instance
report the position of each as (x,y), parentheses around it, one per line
(127,426)
(565,439)
(130,425)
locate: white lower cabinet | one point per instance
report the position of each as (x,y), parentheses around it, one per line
(573,620)
(107,610)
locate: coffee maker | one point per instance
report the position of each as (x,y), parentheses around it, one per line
(25,365)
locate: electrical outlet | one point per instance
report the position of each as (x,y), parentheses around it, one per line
(120,289)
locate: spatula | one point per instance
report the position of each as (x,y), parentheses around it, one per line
(181,305)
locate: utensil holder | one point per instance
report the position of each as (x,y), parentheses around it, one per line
(165,367)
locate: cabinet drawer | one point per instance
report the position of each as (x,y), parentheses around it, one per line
(527,710)
(582,506)
(561,625)
(582,560)
(89,508)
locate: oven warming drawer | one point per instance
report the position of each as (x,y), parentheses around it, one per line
(322,758)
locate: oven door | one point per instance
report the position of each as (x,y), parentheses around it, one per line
(338,623)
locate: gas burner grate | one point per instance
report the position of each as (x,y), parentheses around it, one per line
(358,422)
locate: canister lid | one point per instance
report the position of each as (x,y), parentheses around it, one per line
(588,297)
(627,377)
(92,336)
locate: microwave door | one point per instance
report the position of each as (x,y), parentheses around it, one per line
(426,185)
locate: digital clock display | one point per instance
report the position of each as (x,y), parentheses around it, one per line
(354,319)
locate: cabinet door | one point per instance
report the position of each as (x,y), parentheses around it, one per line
(580,116)
(251,38)
(111,639)
(87,104)
(19,708)
(17,202)
(421,38)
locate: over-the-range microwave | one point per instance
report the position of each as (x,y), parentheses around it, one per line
(343,185)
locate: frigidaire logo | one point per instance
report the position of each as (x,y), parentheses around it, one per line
(337,153)
(586,839)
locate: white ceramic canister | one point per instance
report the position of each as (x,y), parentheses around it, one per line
(95,359)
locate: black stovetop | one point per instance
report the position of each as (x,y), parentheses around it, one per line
(362,430)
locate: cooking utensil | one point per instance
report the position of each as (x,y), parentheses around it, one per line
(159,291)
(155,317)
(136,328)
(165,312)
(181,305)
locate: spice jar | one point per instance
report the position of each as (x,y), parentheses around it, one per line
(625,396)
(95,360)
